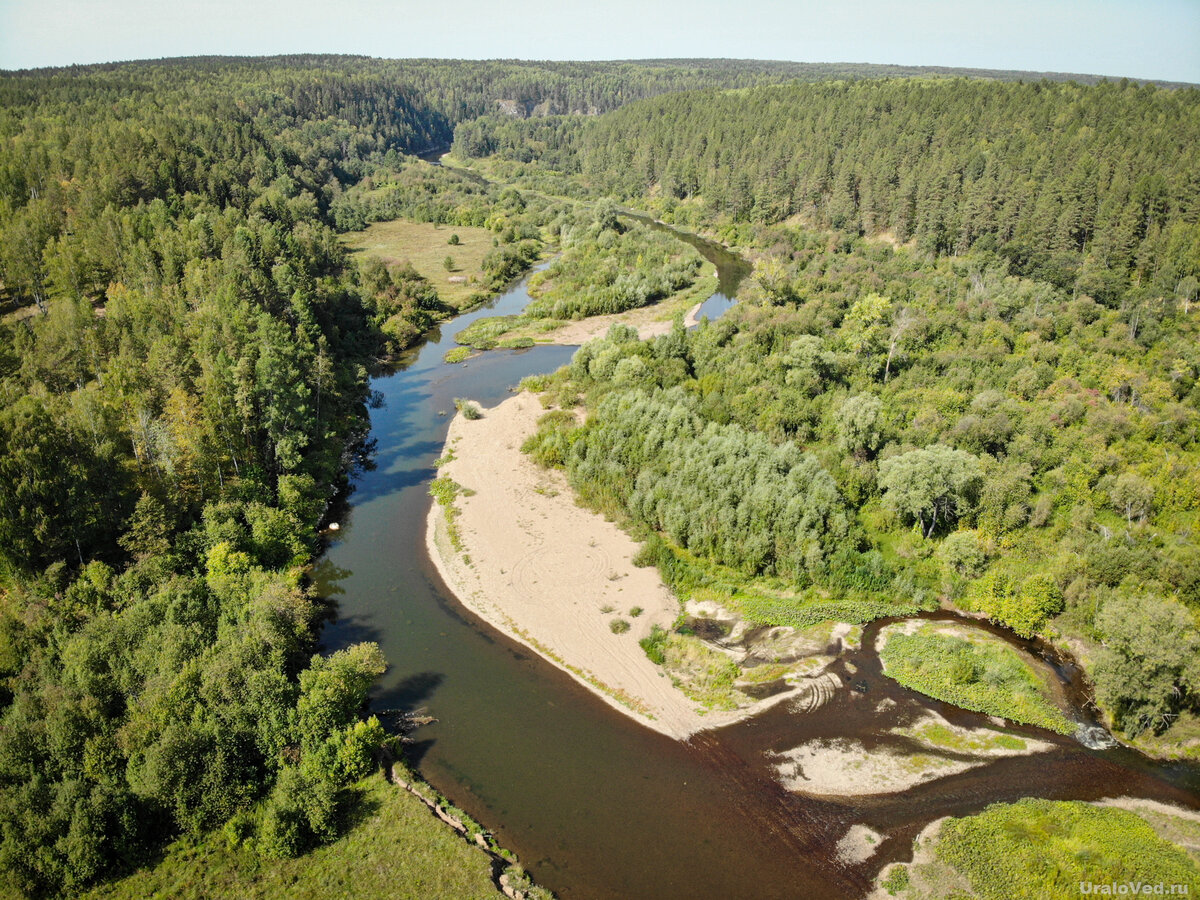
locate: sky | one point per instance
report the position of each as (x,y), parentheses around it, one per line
(1157,39)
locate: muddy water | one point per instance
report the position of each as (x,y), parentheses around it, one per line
(596,805)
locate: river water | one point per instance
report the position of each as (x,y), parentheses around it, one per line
(596,805)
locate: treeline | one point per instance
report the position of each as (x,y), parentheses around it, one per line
(1092,189)
(903,427)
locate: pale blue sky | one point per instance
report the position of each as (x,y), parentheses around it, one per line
(1143,39)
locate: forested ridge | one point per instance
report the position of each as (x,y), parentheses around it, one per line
(1089,187)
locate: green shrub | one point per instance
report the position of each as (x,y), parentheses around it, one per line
(897,880)
(655,644)
(618,626)
(468,409)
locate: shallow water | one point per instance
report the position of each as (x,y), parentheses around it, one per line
(596,805)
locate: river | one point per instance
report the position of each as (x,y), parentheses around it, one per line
(596,805)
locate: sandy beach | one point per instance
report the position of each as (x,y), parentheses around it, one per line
(553,575)
(647,320)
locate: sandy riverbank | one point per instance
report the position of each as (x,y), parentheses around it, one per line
(845,767)
(647,320)
(553,575)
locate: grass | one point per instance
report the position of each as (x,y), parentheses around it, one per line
(981,673)
(767,600)
(502,331)
(1180,741)
(394,848)
(505,332)
(457,354)
(937,735)
(1043,850)
(703,674)
(425,246)
(444,489)
(766,673)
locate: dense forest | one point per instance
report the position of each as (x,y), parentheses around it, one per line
(185,347)
(1087,188)
(874,428)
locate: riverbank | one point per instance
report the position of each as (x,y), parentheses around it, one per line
(395,846)
(649,321)
(558,578)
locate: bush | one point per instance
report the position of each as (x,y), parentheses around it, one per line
(618,626)
(1024,609)
(897,880)
(655,644)
(1149,666)
(468,409)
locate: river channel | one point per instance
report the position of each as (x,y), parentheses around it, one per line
(596,805)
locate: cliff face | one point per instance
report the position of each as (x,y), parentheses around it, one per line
(528,109)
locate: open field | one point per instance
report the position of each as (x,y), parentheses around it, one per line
(426,246)
(395,848)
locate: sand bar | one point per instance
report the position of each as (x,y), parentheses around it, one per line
(647,320)
(543,570)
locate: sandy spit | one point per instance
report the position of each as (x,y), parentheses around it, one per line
(541,569)
(845,767)
(643,319)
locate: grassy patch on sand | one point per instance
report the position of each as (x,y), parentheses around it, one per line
(703,674)
(394,848)
(524,331)
(426,246)
(444,490)
(942,737)
(979,672)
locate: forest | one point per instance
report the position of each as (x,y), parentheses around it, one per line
(876,427)
(967,367)
(1086,188)
(184,355)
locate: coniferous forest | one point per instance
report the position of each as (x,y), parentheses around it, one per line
(966,368)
